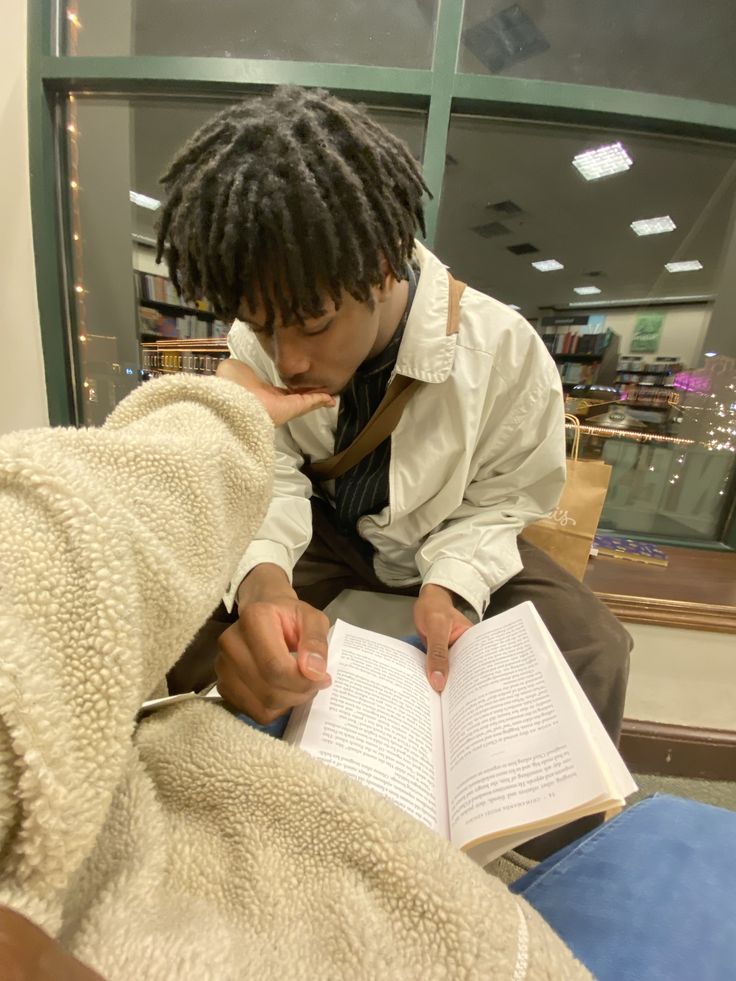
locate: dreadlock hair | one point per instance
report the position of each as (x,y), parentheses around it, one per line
(286,198)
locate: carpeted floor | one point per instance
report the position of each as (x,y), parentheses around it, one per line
(719,793)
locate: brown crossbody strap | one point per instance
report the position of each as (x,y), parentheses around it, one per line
(386,417)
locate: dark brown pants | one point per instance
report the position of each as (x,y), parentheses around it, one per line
(593,642)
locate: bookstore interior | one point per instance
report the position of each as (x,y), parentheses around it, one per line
(590,190)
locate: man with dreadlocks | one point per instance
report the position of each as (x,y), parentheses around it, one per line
(295,215)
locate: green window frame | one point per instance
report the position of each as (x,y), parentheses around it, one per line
(438,91)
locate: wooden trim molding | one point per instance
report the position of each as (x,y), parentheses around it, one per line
(678,751)
(671,613)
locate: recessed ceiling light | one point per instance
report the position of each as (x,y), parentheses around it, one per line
(513,306)
(143,201)
(547,265)
(711,354)
(586,290)
(654,226)
(601,162)
(690,265)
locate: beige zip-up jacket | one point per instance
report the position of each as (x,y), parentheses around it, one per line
(478,454)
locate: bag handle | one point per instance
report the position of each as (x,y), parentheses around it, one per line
(380,425)
(386,417)
(575,423)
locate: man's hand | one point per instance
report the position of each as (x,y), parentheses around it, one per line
(439,625)
(275,656)
(28,953)
(279,403)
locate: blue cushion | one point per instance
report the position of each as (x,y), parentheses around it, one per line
(648,896)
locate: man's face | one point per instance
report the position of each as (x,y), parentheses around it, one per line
(323,353)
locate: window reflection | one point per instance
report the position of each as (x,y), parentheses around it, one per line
(668,47)
(394,33)
(582,250)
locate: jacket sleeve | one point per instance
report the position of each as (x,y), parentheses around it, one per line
(518,476)
(287,528)
(117,544)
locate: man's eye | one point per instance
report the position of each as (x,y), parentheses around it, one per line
(319,330)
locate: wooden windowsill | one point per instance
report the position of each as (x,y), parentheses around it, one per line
(678,751)
(697,590)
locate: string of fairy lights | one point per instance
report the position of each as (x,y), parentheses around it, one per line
(708,415)
(72,128)
(708,408)
(631,434)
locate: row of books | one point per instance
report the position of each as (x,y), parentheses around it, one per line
(202,364)
(185,327)
(655,378)
(161,289)
(636,364)
(576,372)
(577,341)
(196,362)
(646,394)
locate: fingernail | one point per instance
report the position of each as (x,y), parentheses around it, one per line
(437,680)
(316,663)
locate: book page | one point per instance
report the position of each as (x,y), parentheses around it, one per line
(620,782)
(379,722)
(517,751)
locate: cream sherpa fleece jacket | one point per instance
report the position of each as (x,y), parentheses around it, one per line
(192,847)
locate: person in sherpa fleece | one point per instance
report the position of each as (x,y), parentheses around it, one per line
(190,846)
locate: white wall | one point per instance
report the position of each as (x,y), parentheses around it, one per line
(22,384)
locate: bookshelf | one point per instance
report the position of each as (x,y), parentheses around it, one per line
(199,356)
(585,353)
(174,310)
(163,315)
(648,384)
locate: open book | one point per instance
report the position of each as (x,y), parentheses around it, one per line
(512,747)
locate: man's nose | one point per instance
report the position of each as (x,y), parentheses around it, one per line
(291,359)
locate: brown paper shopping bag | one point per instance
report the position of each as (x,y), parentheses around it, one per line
(566,535)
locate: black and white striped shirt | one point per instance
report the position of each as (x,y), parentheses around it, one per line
(364,488)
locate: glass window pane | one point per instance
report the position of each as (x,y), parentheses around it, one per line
(130,323)
(630,335)
(669,47)
(394,33)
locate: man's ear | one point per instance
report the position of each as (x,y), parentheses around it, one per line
(388,282)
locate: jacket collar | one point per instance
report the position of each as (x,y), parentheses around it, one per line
(426,351)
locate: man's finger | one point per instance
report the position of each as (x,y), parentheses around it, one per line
(438,634)
(311,648)
(262,705)
(299,404)
(271,650)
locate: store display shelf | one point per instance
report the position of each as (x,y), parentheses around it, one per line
(174,310)
(578,357)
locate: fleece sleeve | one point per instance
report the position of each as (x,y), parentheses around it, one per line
(117,543)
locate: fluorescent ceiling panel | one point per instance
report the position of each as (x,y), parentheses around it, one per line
(603,161)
